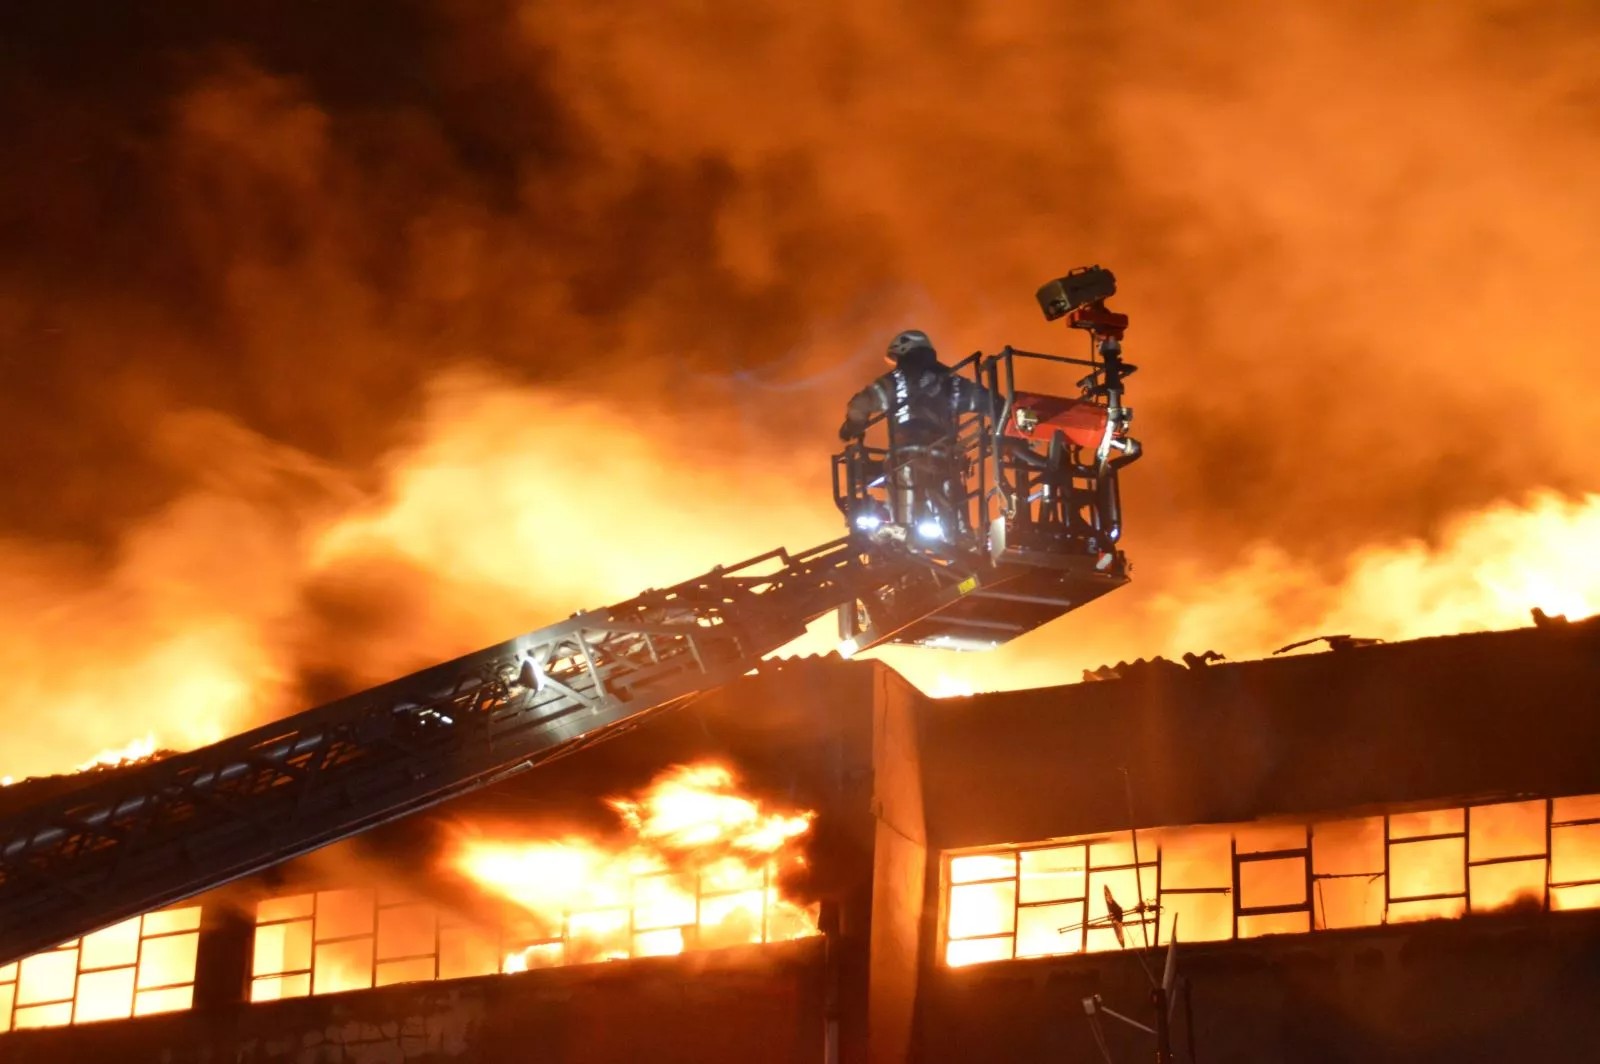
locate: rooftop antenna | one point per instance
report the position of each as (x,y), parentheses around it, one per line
(1116,919)
(1116,914)
(1165,999)
(1162,999)
(1163,996)
(1133,834)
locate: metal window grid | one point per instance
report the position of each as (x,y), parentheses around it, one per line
(1313,879)
(689,930)
(281,976)
(1301,853)
(1530,855)
(157,833)
(1551,883)
(1076,939)
(506,944)
(11,976)
(1391,844)
(379,958)
(1319,923)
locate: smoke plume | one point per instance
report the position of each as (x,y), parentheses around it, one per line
(340,340)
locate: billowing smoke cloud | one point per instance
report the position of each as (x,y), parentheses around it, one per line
(337,341)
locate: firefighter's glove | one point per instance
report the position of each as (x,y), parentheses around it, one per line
(849,431)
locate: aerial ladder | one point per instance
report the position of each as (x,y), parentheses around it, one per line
(1033,478)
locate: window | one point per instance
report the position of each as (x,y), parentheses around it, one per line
(1348,879)
(280,964)
(138,967)
(1427,873)
(1506,844)
(407,946)
(1053,888)
(1115,876)
(1271,878)
(1212,883)
(336,940)
(659,914)
(1048,899)
(331,941)
(1196,884)
(1575,853)
(982,919)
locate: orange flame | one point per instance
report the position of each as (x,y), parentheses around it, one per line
(1484,571)
(698,867)
(695,806)
(201,673)
(1268,184)
(1202,881)
(136,750)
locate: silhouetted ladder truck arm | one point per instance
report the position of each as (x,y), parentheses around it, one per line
(154,833)
(1039,538)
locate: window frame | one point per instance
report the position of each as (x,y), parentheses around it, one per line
(1551,884)
(135,967)
(1155,869)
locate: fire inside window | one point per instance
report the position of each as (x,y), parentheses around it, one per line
(1247,880)
(331,941)
(336,940)
(135,968)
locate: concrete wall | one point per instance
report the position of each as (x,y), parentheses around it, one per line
(1466,716)
(759,1003)
(1476,716)
(1499,988)
(899,871)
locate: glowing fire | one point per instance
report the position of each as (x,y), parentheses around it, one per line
(1484,571)
(1219,882)
(1272,171)
(698,866)
(137,750)
(201,672)
(946,686)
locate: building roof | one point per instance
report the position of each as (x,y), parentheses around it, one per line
(1465,715)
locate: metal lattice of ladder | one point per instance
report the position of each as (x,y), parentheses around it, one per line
(150,835)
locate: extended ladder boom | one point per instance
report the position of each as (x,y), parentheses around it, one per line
(150,835)
(1025,518)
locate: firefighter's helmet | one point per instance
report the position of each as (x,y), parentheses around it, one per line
(912,342)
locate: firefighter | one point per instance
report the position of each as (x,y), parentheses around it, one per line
(921,399)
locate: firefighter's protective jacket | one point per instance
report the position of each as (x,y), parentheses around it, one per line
(921,398)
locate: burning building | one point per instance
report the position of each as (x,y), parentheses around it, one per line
(1370,851)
